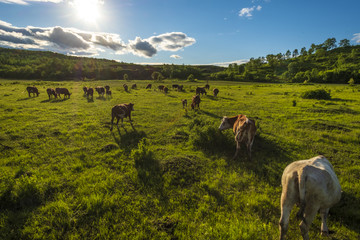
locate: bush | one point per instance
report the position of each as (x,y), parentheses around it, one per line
(316,94)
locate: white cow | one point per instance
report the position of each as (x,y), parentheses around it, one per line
(311,184)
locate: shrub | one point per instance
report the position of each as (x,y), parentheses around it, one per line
(316,94)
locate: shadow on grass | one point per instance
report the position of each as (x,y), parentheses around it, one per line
(128,139)
(24,99)
(211,114)
(347,211)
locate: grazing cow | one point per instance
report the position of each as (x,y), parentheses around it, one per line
(100,91)
(244,130)
(215,92)
(108,93)
(200,90)
(207,86)
(134,86)
(161,87)
(312,185)
(121,111)
(166,90)
(175,86)
(85,89)
(125,87)
(107,88)
(64,91)
(180,88)
(148,86)
(51,91)
(90,92)
(33,90)
(195,102)
(184,103)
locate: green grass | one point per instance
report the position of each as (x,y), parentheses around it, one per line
(64,175)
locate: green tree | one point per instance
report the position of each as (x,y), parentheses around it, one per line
(191,78)
(329,44)
(303,51)
(344,43)
(126,77)
(288,54)
(295,53)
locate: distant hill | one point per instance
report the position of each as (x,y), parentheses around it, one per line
(26,64)
(320,64)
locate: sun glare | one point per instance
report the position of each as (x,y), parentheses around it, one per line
(87,10)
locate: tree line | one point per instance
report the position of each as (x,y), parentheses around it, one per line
(25,64)
(327,62)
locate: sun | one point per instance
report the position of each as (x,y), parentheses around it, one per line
(87,10)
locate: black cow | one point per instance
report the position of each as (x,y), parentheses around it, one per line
(33,90)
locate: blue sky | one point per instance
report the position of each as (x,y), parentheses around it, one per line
(174,31)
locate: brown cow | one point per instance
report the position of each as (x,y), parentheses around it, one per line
(126,88)
(200,90)
(215,92)
(312,185)
(51,91)
(108,93)
(244,130)
(90,92)
(121,111)
(180,88)
(207,86)
(134,86)
(184,103)
(107,87)
(100,91)
(161,87)
(148,86)
(195,102)
(64,91)
(166,90)
(85,89)
(175,86)
(33,90)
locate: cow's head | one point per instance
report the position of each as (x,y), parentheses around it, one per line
(131,106)
(225,124)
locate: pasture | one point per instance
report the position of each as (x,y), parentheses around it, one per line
(64,175)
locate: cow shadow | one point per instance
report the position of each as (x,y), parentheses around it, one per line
(346,211)
(128,140)
(90,100)
(59,100)
(101,98)
(211,114)
(213,98)
(24,99)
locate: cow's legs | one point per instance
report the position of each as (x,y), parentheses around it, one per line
(237,149)
(310,213)
(249,146)
(324,228)
(112,122)
(287,202)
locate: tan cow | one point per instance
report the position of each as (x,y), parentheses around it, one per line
(121,111)
(195,102)
(313,185)
(244,130)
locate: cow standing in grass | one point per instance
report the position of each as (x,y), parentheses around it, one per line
(90,92)
(121,111)
(126,88)
(195,102)
(100,91)
(166,90)
(312,185)
(244,130)
(180,88)
(215,92)
(51,91)
(148,86)
(200,90)
(184,103)
(64,91)
(207,86)
(161,87)
(134,86)
(85,89)
(33,90)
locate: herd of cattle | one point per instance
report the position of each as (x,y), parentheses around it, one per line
(311,184)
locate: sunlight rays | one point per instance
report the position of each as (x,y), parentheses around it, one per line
(87,10)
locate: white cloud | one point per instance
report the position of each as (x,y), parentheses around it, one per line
(356,37)
(74,41)
(176,56)
(248,12)
(173,41)
(226,64)
(26,2)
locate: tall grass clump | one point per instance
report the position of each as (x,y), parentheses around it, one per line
(319,94)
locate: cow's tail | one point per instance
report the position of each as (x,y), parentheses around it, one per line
(302,188)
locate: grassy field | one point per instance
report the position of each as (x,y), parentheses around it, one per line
(64,175)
